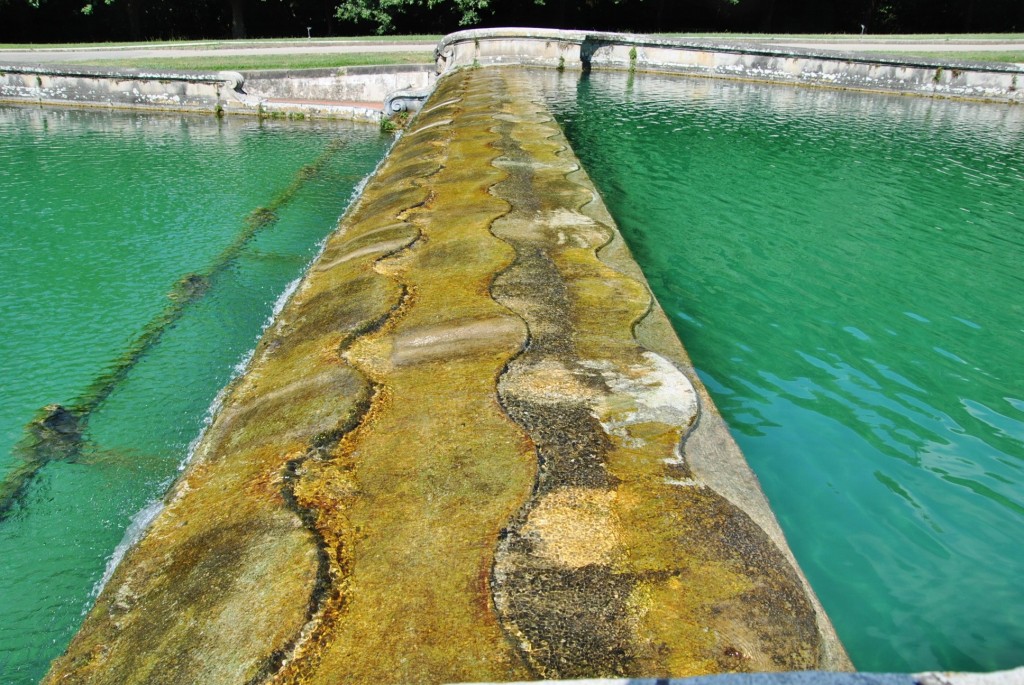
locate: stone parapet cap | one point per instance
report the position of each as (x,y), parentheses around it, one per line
(736,47)
(121,73)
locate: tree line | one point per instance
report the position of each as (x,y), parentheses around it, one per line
(109,20)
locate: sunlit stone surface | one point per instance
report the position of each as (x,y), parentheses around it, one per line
(470,449)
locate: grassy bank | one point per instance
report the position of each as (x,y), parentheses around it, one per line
(972,56)
(920,45)
(244,62)
(214,44)
(853,37)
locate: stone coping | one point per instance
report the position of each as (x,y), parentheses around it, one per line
(585,50)
(337,93)
(361,70)
(731,47)
(121,73)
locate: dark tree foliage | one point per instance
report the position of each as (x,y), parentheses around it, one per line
(384,16)
(789,16)
(104,20)
(65,20)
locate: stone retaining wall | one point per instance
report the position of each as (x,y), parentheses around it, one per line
(596,50)
(344,93)
(353,93)
(357,84)
(134,88)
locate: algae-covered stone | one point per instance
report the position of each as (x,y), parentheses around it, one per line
(464,452)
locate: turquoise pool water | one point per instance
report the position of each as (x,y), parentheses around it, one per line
(847,273)
(102,214)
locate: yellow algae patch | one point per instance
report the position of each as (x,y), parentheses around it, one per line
(453,339)
(548,381)
(573,527)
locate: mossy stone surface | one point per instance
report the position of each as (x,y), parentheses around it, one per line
(463,452)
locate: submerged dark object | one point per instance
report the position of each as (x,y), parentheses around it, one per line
(57,432)
(190,287)
(54,435)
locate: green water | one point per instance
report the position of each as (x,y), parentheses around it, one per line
(102,214)
(847,273)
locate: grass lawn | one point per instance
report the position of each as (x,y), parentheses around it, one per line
(212,44)
(908,37)
(244,62)
(904,45)
(433,38)
(969,56)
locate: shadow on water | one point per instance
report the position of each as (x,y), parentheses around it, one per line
(57,432)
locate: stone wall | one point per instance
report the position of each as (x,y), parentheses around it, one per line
(352,93)
(356,84)
(97,86)
(355,93)
(594,50)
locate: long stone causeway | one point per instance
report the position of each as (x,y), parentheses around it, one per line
(470,448)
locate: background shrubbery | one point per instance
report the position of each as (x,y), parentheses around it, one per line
(109,20)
